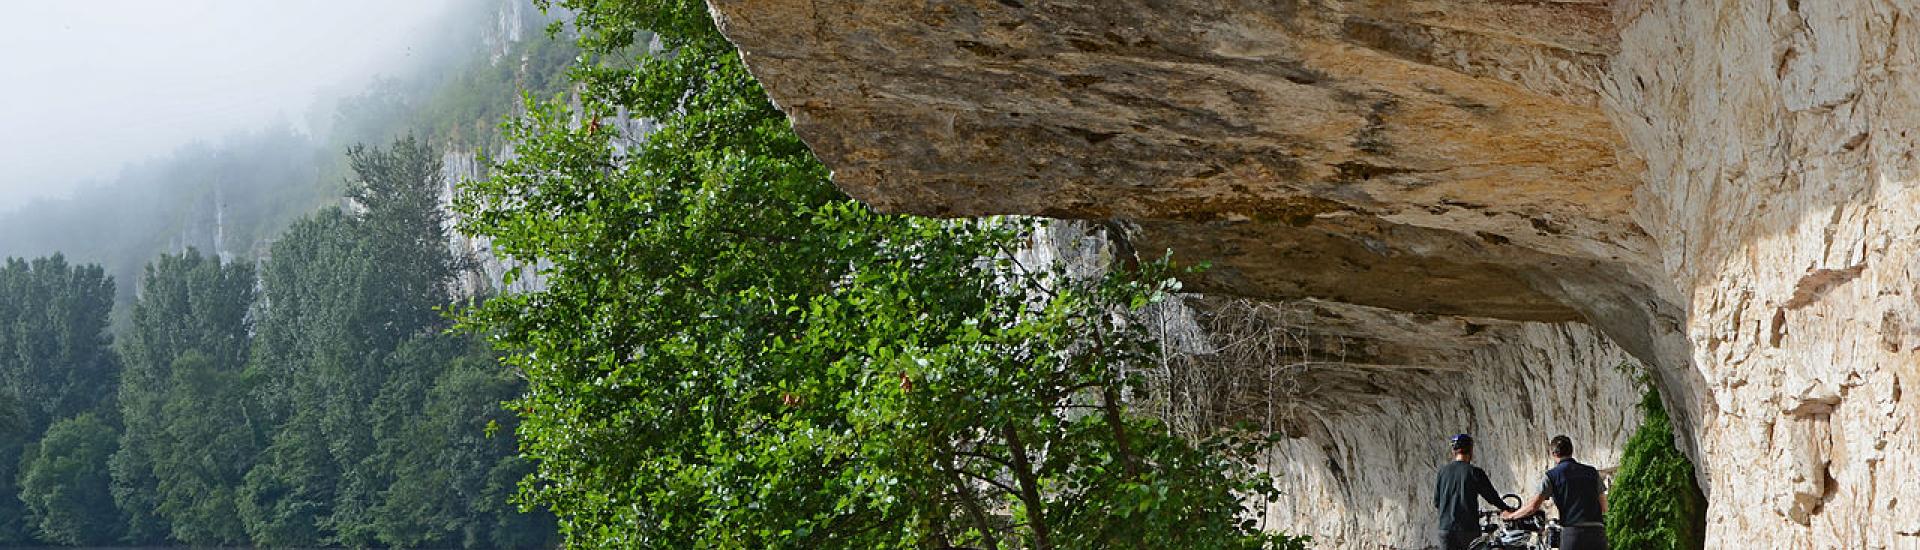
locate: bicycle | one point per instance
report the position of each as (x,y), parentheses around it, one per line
(1534,532)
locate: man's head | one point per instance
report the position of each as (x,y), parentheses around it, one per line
(1560,446)
(1462,445)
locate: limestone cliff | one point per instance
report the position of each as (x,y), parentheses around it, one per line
(1473,198)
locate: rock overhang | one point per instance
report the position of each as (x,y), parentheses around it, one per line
(1443,157)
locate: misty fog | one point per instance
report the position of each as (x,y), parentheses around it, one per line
(129,130)
(91,86)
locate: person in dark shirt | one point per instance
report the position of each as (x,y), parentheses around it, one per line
(1454,490)
(1578,493)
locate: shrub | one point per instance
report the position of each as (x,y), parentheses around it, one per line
(1655,502)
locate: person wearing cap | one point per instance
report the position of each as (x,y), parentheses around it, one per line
(1454,490)
(1576,490)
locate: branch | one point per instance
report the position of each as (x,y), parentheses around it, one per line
(1029,489)
(993,459)
(990,481)
(762,238)
(971,502)
(1110,406)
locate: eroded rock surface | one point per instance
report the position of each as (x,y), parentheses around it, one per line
(1781,188)
(1722,189)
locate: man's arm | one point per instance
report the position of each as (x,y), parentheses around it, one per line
(1603,503)
(1532,506)
(1436,492)
(1484,487)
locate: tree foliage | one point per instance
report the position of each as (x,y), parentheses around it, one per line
(186,437)
(319,403)
(64,483)
(343,290)
(729,353)
(54,364)
(53,335)
(354,372)
(1655,501)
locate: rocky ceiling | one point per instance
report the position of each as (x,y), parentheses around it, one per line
(1430,157)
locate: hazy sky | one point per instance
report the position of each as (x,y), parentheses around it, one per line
(89,85)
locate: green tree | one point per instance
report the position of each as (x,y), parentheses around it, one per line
(53,333)
(54,363)
(13,421)
(192,313)
(342,291)
(318,362)
(13,439)
(402,229)
(64,485)
(729,353)
(210,445)
(1655,502)
(440,426)
(419,508)
(313,366)
(366,449)
(289,491)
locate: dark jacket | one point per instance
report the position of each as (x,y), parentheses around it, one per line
(1453,494)
(1576,492)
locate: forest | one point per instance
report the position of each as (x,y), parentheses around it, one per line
(257,349)
(319,401)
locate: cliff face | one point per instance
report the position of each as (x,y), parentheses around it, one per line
(1781,188)
(1487,204)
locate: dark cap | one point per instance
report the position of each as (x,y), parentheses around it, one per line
(1461,442)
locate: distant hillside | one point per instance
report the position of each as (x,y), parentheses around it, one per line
(231,195)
